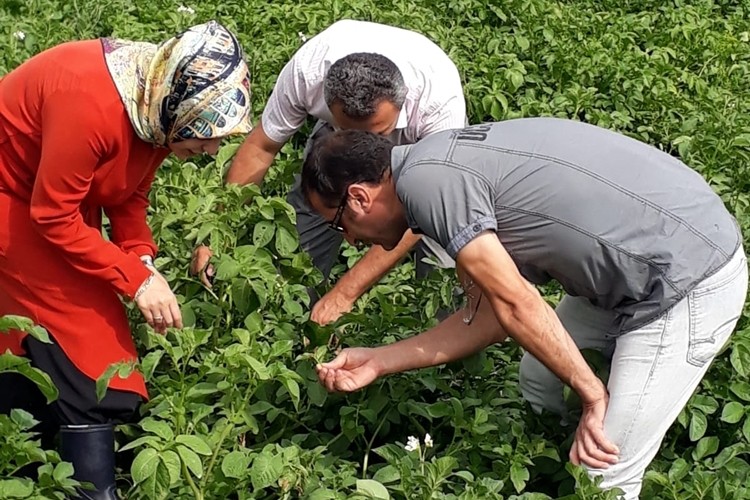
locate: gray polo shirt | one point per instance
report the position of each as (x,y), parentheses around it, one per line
(612,219)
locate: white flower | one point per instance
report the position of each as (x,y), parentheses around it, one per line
(427,441)
(412,444)
(186,10)
(20,35)
(302,36)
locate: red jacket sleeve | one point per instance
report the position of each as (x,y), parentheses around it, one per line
(129,228)
(74,140)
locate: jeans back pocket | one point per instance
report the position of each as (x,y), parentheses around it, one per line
(715,309)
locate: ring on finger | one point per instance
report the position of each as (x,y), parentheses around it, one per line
(158,318)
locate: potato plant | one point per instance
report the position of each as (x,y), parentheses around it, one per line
(235,408)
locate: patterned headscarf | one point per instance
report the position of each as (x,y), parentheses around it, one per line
(195,85)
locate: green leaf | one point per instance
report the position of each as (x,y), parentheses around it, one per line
(286,241)
(465,475)
(740,359)
(706,447)
(265,210)
(235,464)
(157,485)
(158,427)
(228,268)
(152,441)
(733,412)
(292,388)
(741,390)
(22,324)
(388,474)
(516,78)
(225,154)
(259,368)
(145,464)
(23,419)
(372,489)
(266,470)
(188,320)
(746,429)
(523,43)
(149,363)
(725,456)
(173,464)
(16,488)
(121,369)
(195,443)
(191,459)
(679,469)
(254,322)
(706,404)
(316,393)
(263,233)
(322,494)
(63,471)
(698,425)
(17,364)
(201,389)
(519,475)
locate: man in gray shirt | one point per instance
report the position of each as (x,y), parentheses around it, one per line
(651,261)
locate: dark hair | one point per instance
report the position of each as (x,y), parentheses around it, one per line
(342,158)
(361,81)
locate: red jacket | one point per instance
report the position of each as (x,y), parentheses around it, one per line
(67,151)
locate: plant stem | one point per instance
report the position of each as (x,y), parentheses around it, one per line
(366,460)
(196,492)
(224,433)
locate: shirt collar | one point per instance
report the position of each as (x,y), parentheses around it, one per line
(403,119)
(398,158)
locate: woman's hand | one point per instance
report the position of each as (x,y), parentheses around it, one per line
(199,265)
(158,304)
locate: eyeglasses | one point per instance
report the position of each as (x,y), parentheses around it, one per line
(335,224)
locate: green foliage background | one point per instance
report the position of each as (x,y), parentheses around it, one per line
(236,411)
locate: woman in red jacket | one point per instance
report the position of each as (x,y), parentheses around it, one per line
(83,128)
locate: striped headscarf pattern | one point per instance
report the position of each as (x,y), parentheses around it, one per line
(194,85)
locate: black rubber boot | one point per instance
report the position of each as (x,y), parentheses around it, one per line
(91,450)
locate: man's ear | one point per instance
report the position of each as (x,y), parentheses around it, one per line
(361,197)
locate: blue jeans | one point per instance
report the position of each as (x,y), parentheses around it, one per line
(654,369)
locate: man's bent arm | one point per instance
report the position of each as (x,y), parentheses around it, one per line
(451,340)
(253,158)
(526,317)
(372,267)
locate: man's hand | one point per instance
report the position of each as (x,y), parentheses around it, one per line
(590,445)
(331,307)
(159,305)
(366,272)
(352,369)
(199,265)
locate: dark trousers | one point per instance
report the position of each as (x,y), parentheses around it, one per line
(76,403)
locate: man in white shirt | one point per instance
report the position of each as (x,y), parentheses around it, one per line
(353,75)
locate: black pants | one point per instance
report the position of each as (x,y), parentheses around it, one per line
(76,403)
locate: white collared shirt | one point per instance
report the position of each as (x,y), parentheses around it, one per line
(434,100)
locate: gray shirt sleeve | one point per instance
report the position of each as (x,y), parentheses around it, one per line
(447,203)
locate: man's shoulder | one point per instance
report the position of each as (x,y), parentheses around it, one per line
(432,151)
(364,28)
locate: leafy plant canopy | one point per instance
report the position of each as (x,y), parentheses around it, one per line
(236,411)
